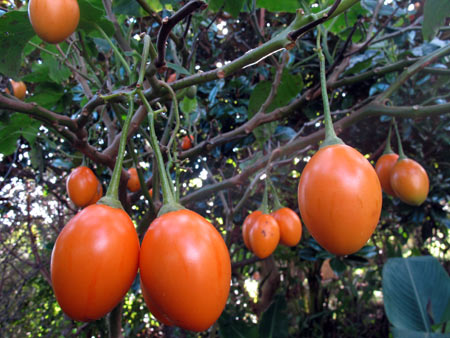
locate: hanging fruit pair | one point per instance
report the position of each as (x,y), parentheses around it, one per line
(83,187)
(402,177)
(184,262)
(339,194)
(95,257)
(262,231)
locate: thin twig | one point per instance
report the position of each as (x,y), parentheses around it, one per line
(168,24)
(294,35)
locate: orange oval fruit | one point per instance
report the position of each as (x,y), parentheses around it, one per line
(290,226)
(19,89)
(94,262)
(264,236)
(340,199)
(410,182)
(248,223)
(185,269)
(54,20)
(383,167)
(186,142)
(133,183)
(82,186)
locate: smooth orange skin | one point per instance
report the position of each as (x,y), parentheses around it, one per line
(133,183)
(410,182)
(185,269)
(19,89)
(82,186)
(264,236)
(155,311)
(186,142)
(172,78)
(94,262)
(151,192)
(97,195)
(340,199)
(383,167)
(247,225)
(54,21)
(290,226)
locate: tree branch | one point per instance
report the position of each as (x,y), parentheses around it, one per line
(168,24)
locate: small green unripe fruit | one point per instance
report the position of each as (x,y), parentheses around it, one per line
(191,92)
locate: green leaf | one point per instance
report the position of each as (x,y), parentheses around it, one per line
(18,125)
(126,7)
(290,86)
(47,95)
(289,6)
(215,5)
(188,105)
(57,71)
(274,321)
(92,13)
(233,7)
(434,15)
(15,32)
(230,328)
(341,24)
(405,333)
(178,69)
(416,293)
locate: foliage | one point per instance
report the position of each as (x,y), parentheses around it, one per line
(249,107)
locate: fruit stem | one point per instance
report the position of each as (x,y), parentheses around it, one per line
(265,205)
(144,189)
(168,195)
(144,59)
(401,154)
(276,199)
(330,135)
(112,194)
(117,52)
(388,148)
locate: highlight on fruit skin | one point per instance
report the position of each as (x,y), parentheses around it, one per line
(340,199)
(410,182)
(54,21)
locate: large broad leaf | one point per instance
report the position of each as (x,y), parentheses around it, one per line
(434,15)
(416,294)
(274,322)
(127,7)
(234,7)
(18,125)
(231,328)
(290,86)
(289,6)
(404,333)
(93,13)
(15,32)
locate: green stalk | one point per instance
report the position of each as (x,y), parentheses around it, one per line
(169,202)
(117,52)
(144,189)
(265,205)
(401,154)
(330,135)
(112,194)
(144,59)
(388,148)
(276,199)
